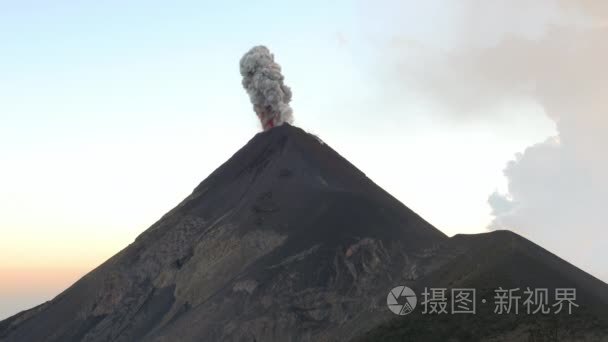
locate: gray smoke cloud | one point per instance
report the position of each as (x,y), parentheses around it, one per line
(263,81)
(550,52)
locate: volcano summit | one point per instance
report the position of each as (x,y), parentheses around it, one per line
(288,241)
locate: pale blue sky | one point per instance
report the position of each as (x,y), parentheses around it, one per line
(112,112)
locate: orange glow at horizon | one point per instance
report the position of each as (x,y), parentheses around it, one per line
(26,280)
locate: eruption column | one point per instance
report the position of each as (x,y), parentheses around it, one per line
(263,81)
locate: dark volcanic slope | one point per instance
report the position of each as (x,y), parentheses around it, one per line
(504,259)
(285,241)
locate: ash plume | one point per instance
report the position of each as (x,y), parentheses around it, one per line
(263,81)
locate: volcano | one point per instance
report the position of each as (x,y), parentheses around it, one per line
(288,241)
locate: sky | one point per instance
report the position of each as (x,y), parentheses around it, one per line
(478,115)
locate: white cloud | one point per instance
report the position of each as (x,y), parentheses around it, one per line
(492,55)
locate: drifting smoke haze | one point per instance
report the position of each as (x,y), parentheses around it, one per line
(558,188)
(263,81)
(549,53)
